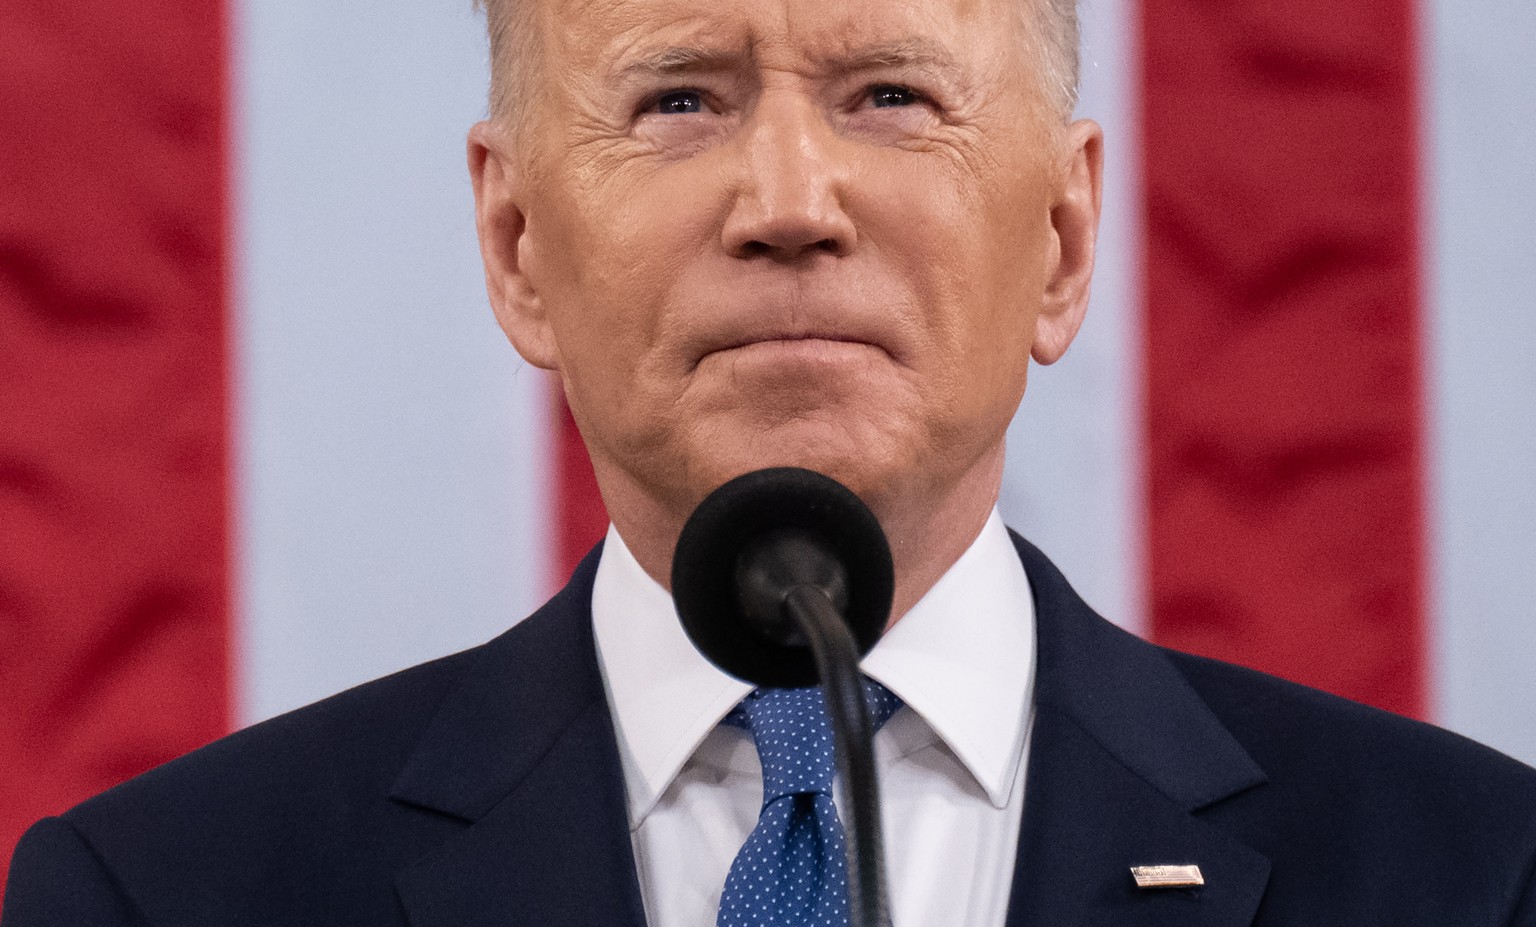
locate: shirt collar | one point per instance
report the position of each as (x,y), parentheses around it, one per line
(962,659)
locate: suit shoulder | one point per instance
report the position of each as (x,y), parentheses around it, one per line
(358,738)
(233,833)
(1419,821)
(244,830)
(1291,728)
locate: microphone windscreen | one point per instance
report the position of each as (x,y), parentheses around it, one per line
(742,513)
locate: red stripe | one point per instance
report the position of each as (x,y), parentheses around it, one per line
(581,518)
(114,597)
(1284,481)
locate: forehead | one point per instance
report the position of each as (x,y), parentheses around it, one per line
(615,33)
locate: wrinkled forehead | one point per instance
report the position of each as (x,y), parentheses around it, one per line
(604,35)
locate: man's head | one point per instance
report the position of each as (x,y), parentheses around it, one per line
(759,232)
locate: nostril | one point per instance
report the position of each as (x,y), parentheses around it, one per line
(758,248)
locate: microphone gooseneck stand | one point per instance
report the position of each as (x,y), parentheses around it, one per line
(771,589)
(840,682)
(783,578)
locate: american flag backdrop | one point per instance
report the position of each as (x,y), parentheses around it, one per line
(260,439)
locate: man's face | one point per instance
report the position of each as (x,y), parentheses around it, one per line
(762,232)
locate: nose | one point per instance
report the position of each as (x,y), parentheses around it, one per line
(789,199)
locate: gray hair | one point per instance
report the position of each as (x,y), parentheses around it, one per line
(1060,41)
(1055,35)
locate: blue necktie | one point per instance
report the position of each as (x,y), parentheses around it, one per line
(792,871)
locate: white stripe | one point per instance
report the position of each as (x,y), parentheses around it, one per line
(1073,482)
(390,467)
(1481,230)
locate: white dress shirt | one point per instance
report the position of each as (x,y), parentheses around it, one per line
(951,763)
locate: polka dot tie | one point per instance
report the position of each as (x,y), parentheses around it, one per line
(792,871)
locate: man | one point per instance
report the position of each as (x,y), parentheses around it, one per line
(749,233)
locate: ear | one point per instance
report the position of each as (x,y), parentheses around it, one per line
(499,179)
(1075,223)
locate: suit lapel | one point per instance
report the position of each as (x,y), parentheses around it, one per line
(523,753)
(1123,757)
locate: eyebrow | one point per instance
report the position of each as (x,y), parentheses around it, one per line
(684,60)
(909,52)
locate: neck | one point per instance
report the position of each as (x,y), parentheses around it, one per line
(927,530)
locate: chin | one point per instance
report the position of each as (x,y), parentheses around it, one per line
(863,464)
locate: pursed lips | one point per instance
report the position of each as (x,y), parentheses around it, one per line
(806,335)
(796,339)
(798,349)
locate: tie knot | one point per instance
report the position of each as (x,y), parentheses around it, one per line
(794,735)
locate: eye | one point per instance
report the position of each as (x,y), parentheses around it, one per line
(887,95)
(679,102)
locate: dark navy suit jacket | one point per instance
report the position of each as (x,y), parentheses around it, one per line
(485,789)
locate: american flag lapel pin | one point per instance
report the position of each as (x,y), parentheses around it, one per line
(1182,876)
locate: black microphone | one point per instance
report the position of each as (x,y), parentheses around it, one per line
(783,578)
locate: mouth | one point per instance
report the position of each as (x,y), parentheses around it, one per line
(804,352)
(763,321)
(834,332)
(805,339)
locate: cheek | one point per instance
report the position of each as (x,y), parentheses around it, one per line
(969,247)
(969,251)
(641,225)
(999,328)
(615,254)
